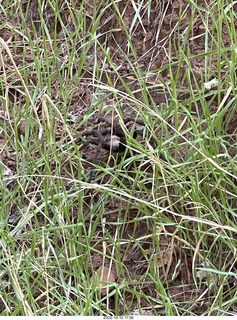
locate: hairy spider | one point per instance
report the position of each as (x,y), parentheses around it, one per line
(111,138)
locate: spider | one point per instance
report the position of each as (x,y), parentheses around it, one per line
(111,138)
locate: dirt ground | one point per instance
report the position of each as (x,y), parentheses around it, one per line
(151,40)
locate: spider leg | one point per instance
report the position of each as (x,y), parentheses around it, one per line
(109,123)
(95,133)
(85,143)
(102,119)
(104,144)
(98,142)
(114,129)
(94,161)
(140,132)
(134,120)
(79,139)
(137,132)
(89,133)
(105,131)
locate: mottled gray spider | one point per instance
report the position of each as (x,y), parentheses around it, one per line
(112,138)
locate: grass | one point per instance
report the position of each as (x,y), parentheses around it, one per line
(163,217)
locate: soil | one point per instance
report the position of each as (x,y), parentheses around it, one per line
(151,40)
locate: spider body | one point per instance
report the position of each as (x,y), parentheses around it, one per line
(115,143)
